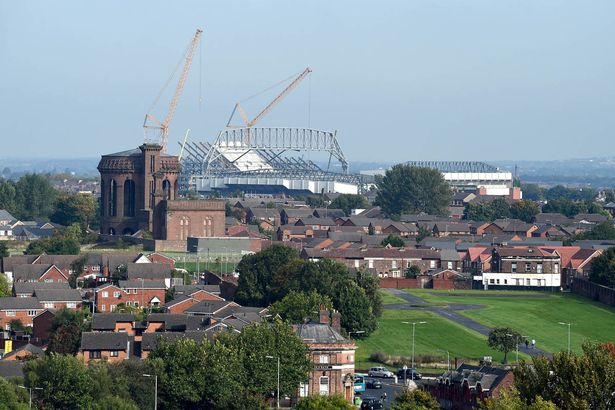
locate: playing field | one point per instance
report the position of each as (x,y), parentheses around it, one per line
(534,314)
(395,338)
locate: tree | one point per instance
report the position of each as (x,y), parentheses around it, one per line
(570,381)
(503,339)
(410,189)
(412,272)
(4,250)
(524,210)
(393,240)
(65,242)
(66,329)
(65,381)
(488,211)
(12,398)
(423,233)
(17,325)
(532,192)
(7,195)
(34,197)
(565,206)
(602,231)
(5,289)
(511,400)
(415,400)
(297,306)
(602,270)
(335,402)
(257,271)
(348,202)
(77,266)
(74,208)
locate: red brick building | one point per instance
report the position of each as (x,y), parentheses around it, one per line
(23,309)
(139,191)
(136,293)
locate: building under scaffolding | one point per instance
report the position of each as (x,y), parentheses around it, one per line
(267,161)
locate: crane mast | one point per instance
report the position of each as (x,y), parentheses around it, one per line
(164,125)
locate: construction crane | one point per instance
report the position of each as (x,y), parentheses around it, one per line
(151,122)
(250,123)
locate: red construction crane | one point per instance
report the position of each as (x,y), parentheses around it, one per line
(152,122)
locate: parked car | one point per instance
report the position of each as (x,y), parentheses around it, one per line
(373,384)
(408,375)
(371,403)
(380,372)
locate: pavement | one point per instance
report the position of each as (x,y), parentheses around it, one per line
(450,312)
(389,386)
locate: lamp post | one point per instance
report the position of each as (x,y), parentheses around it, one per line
(516,343)
(155,388)
(278,391)
(448,358)
(30,391)
(567,324)
(413,331)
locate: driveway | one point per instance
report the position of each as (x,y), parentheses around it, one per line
(450,312)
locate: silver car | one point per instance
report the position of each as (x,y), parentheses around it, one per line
(380,372)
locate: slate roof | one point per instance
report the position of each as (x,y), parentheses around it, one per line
(6,216)
(178,322)
(189,289)
(29,272)
(329,213)
(30,287)
(11,368)
(488,377)
(11,303)
(34,350)
(593,218)
(208,307)
(107,321)
(553,218)
(148,271)
(318,333)
(145,284)
(9,262)
(31,232)
(525,251)
(58,295)
(104,341)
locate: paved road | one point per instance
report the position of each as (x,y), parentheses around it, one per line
(449,312)
(389,386)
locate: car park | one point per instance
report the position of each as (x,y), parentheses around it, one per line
(380,371)
(373,384)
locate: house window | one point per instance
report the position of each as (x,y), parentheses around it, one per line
(324,358)
(94,354)
(112,308)
(48,305)
(10,313)
(528,267)
(71,305)
(115,353)
(31,312)
(506,281)
(527,282)
(116,294)
(513,267)
(539,268)
(103,307)
(492,281)
(393,264)
(356,263)
(324,386)
(48,280)
(497,281)
(303,389)
(105,294)
(556,268)
(450,265)
(432,264)
(370,263)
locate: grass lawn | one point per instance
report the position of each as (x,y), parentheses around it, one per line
(388,299)
(395,338)
(536,317)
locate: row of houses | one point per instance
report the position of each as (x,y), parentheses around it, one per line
(12,228)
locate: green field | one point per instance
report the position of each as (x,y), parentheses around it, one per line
(388,299)
(395,338)
(535,317)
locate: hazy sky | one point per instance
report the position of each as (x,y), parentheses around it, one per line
(398,80)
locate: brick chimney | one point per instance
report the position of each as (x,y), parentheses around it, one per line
(324,315)
(105,271)
(336,321)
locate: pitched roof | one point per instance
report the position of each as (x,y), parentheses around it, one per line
(30,287)
(148,271)
(552,218)
(58,295)
(104,341)
(525,251)
(107,321)
(29,272)
(6,216)
(142,284)
(11,368)
(208,307)
(189,289)
(318,333)
(178,322)
(34,350)
(12,303)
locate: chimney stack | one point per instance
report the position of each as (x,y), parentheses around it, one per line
(324,315)
(336,321)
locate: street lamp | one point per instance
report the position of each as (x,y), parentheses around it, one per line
(278,391)
(567,324)
(30,390)
(516,342)
(448,358)
(413,331)
(155,388)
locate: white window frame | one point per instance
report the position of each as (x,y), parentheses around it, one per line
(323,381)
(11,313)
(116,294)
(324,359)
(105,294)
